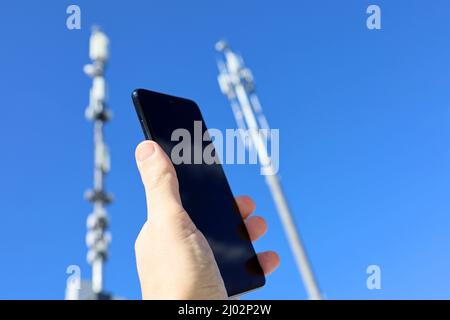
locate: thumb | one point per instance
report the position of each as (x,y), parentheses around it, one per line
(160,180)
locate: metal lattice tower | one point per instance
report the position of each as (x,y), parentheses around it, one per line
(236,82)
(98,238)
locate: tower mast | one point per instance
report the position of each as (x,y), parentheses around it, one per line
(98,238)
(236,82)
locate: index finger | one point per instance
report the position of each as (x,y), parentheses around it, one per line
(246,206)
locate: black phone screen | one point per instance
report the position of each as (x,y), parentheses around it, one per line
(204,189)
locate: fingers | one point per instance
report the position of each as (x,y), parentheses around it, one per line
(246,206)
(159,179)
(269,261)
(256,227)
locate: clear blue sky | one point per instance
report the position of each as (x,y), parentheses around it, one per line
(364,119)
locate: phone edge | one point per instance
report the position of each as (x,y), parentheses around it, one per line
(140,114)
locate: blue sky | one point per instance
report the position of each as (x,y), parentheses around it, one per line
(364,128)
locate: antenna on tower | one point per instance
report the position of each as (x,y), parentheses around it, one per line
(236,83)
(97,237)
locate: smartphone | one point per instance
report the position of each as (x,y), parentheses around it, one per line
(205,193)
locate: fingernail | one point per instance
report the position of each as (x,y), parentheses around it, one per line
(145,151)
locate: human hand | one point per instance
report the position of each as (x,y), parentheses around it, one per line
(174,260)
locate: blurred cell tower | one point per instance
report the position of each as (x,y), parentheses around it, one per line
(236,82)
(97,238)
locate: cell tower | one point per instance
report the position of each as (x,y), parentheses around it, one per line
(236,82)
(97,238)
